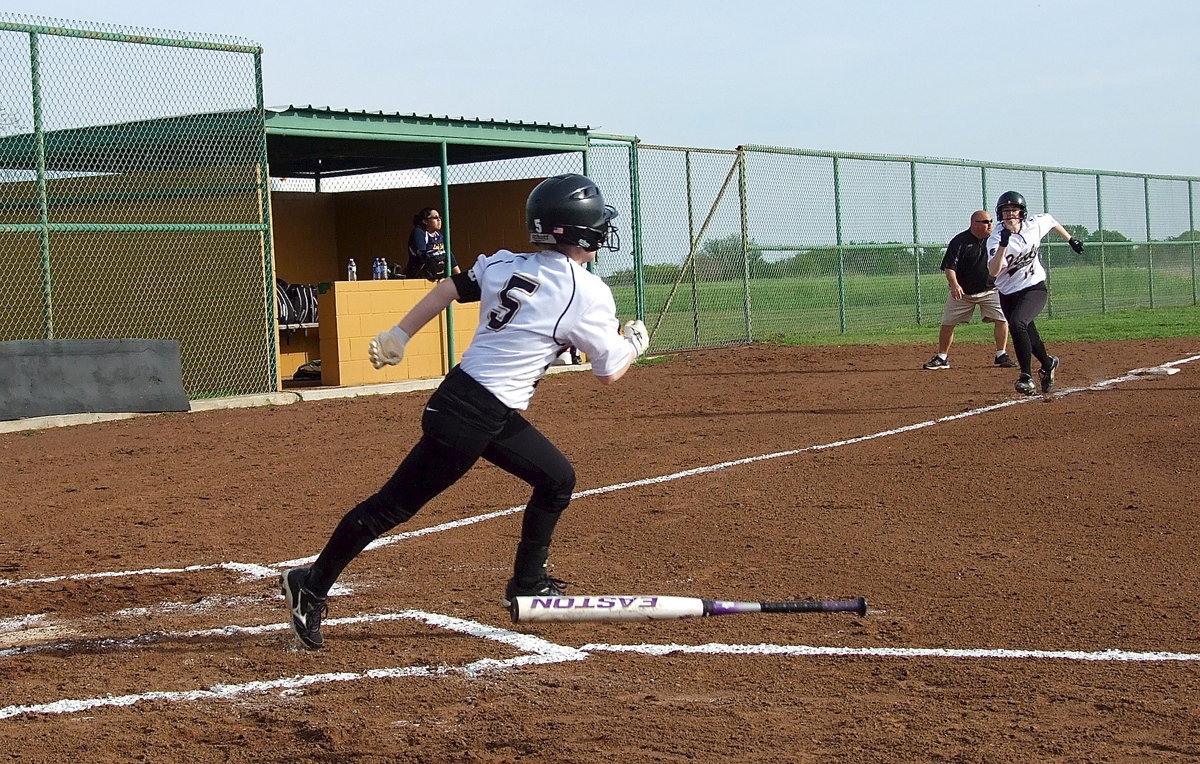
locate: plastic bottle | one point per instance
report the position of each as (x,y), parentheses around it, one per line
(352,271)
(375,274)
(383,269)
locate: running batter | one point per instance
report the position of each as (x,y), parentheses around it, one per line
(1014,261)
(532,307)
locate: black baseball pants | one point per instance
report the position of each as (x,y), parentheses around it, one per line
(462,423)
(1020,309)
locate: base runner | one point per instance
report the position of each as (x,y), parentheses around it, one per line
(1014,261)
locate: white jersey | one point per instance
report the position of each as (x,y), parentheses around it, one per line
(531,308)
(1022,265)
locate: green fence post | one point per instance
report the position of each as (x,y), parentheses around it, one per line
(635,201)
(841,257)
(691,261)
(1192,235)
(1149,243)
(746,307)
(1049,250)
(264,200)
(449,255)
(912,185)
(1100,228)
(43,193)
(983,185)
(587,166)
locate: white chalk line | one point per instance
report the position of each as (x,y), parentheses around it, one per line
(894,652)
(252,571)
(536,651)
(523,642)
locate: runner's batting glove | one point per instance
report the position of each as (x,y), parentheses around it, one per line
(635,333)
(1076,245)
(388,348)
(1004,235)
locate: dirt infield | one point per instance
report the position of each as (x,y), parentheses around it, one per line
(1031,568)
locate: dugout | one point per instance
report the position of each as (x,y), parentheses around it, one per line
(172,228)
(346,184)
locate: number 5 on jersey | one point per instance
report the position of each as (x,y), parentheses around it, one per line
(509,305)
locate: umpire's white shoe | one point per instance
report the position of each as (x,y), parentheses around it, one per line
(307,608)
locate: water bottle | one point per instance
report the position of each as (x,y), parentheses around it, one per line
(352,271)
(375,274)
(383,269)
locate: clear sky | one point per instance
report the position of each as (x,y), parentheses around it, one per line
(1090,84)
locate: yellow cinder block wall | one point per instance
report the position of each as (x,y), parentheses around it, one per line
(356,311)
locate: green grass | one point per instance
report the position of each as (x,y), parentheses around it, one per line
(1085,304)
(1138,323)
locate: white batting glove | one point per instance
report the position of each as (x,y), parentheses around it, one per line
(388,348)
(635,334)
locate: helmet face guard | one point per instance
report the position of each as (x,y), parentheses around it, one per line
(1011,199)
(570,210)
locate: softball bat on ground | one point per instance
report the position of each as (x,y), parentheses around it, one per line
(623,607)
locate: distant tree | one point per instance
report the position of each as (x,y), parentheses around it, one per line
(807,264)
(621,278)
(887,258)
(1186,236)
(721,259)
(1106,235)
(1115,256)
(1078,231)
(661,273)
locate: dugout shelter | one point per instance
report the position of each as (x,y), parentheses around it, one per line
(146,192)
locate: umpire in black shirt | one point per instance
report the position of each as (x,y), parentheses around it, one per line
(965,266)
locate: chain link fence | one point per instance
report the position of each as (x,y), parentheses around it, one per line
(766,242)
(133,198)
(134,203)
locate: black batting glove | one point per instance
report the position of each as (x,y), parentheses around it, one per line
(1076,245)
(1004,234)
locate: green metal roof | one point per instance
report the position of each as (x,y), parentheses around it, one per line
(304,141)
(190,140)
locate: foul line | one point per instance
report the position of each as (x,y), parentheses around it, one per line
(894,652)
(535,651)
(252,571)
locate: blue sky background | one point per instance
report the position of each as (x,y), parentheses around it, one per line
(1092,85)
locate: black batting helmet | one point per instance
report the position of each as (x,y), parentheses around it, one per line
(569,209)
(1010,199)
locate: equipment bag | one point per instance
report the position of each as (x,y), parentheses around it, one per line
(304,299)
(285,308)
